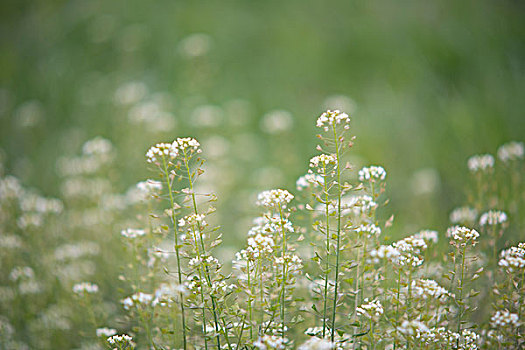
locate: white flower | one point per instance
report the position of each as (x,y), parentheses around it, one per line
(463,215)
(513,258)
(270,342)
(332,118)
(277,121)
(372,173)
(323,160)
(370,229)
(370,309)
(106,332)
(426,289)
(187,144)
(493,217)
(315,343)
(511,151)
(149,187)
(162,151)
(461,235)
(97,146)
(384,252)
(137,298)
(274,198)
(192,220)
(85,287)
(503,318)
(123,341)
(412,328)
(132,233)
(309,180)
(427,235)
(481,162)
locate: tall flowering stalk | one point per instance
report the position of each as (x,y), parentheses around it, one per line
(189,147)
(276,201)
(331,121)
(461,238)
(163,156)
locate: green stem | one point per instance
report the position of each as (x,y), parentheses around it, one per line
(206,271)
(397,305)
(177,253)
(339,195)
(283,289)
(327,272)
(460,306)
(249,297)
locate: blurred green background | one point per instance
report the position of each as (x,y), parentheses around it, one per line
(427,83)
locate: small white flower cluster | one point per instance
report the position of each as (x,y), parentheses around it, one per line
(274,198)
(322,161)
(426,289)
(308,180)
(8,241)
(259,245)
(85,288)
(387,252)
(413,328)
(461,235)
(447,339)
(76,250)
(210,261)
(270,342)
(370,309)
(270,225)
(161,150)
(410,249)
(187,144)
(149,187)
(333,118)
(137,298)
(10,187)
(123,341)
(294,264)
(370,229)
(132,233)
(106,332)
(192,220)
(463,215)
(166,293)
(427,235)
(483,162)
(315,343)
(97,146)
(511,151)
(372,173)
(32,202)
(493,217)
(513,258)
(21,272)
(469,340)
(441,336)
(358,205)
(504,318)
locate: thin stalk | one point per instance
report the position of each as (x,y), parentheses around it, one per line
(177,253)
(398,302)
(460,313)
(261,290)
(327,272)
(283,289)
(338,248)
(249,297)
(207,273)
